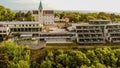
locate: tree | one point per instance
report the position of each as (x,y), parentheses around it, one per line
(6,14)
(92,56)
(14,56)
(46,64)
(20,16)
(117,54)
(57,15)
(104,16)
(106,56)
(23,64)
(17,35)
(99,65)
(29,16)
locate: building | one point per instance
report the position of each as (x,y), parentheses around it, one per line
(63,20)
(4,32)
(45,17)
(113,32)
(92,32)
(95,31)
(24,28)
(56,35)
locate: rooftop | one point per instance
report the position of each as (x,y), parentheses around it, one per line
(18,22)
(40,6)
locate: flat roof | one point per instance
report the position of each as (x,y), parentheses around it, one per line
(87,24)
(114,23)
(58,33)
(19,22)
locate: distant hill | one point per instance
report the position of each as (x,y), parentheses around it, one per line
(85,11)
(25,11)
(80,11)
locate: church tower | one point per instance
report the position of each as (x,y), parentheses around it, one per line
(40,13)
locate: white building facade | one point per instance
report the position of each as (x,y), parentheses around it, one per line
(45,17)
(23,28)
(96,31)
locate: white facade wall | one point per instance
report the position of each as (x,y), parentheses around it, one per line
(4,30)
(48,19)
(90,34)
(113,32)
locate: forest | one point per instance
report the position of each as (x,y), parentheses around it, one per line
(18,56)
(85,17)
(14,56)
(79,58)
(7,14)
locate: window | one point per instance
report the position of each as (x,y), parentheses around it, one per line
(22,25)
(4,31)
(26,25)
(37,25)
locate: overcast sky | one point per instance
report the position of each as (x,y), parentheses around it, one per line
(96,5)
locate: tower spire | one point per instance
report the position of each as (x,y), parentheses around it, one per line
(40,6)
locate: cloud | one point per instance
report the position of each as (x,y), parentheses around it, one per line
(24,1)
(31,5)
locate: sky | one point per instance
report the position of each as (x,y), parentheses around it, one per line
(91,5)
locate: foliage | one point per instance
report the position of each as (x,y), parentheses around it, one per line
(7,15)
(78,58)
(85,17)
(14,56)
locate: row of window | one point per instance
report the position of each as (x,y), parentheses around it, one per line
(112,35)
(55,35)
(113,26)
(115,30)
(116,39)
(89,27)
(2,31)
(93,31)
(25,30)
(91,40)
(25,25)
(90,35)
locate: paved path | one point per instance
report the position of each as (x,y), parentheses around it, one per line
(38,46)
(32,45)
